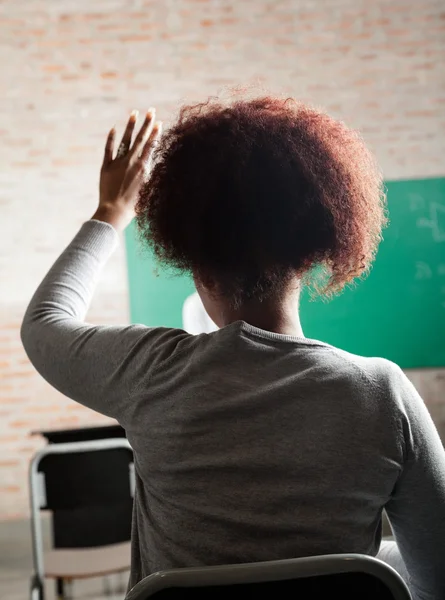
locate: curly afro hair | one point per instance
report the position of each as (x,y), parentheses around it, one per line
(245,196)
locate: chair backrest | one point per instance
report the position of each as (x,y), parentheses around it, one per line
(345,576)
(88,487)
(72,477)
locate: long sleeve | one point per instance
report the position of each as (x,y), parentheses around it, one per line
(416,509)
(95,365)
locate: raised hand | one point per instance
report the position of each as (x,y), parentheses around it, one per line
(122,175)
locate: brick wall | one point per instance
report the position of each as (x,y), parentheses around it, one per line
(70,69)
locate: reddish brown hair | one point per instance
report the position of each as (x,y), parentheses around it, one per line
(246,195)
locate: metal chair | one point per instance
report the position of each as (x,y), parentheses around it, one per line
(88,487)
(343,576)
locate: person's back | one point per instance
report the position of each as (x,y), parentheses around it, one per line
(258,446)
(252,442)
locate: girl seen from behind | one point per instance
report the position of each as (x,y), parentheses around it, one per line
(251,442)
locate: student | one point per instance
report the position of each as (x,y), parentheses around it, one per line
(253,442)
(195,320)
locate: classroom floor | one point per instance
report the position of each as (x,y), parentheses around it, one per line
(16,569)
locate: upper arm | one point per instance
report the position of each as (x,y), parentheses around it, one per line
(97,366)
(416,509)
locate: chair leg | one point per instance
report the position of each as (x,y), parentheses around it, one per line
(64,589)
(106,586)
(37,588)
(60,589)
(69,595)
(122,584)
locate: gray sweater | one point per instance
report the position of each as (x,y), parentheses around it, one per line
(248,445)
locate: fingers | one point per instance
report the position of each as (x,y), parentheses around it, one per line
(125,144)
(151,142)
(144,131)
(141,148)
(109,147)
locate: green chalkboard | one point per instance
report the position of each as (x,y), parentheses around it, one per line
(398,312)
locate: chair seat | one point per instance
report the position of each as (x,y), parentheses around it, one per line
(79,563)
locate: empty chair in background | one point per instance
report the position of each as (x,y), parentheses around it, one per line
(88,488)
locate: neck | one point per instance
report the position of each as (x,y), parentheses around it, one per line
(276,315)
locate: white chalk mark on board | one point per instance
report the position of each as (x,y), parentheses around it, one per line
(423,270)
(423,222)
(436,222)
(416,202)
